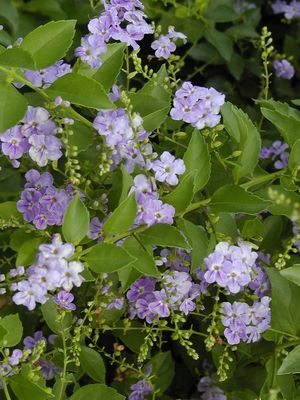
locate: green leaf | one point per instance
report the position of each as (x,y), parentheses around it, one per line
(13,106)
(197,159)
(16,57)
(144,261)
(133,339)
(13,326)
(9,12)
(127,276)
(112,62)
(236,65)
(122,217)
(285,118)
(80,90)
(291,363)
(163,370)
(50,315)
(284,308)
(155,87)
(245,135)
(27,252)
(164,235)
(76,221)
(221,13)
(292,274)
(96,392)
(127,182)
(226,225)
(92,364)
(231,198)
(50,42)
(222,42)
(198,240)
(182,196)
(27,390)
(106,257)
(253,228)
(82,137)
(8,209)
(153,110)
(294,158)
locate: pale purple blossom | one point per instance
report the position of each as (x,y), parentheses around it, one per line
(64,300)
(167,168)
(284,69)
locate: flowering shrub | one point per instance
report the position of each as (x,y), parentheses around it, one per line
(149,203)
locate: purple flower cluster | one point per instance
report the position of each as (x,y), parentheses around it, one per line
(165,44)
(277,152)
(95,229)
(125,139)
(45,77)
(284,69)
(41,202)
(260,283)
(231,267)
(290,11)
(151,210)
(246,323)
(121,20)
(209,391)
(176,292)
(197,105)
(51,271)
(177,259)
(35,135)
(139,390)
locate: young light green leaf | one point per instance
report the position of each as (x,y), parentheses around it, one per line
(50,315)
(164,235)
(163,370)
(27,252)
(25,389)
(292,274)
(197,159)
(291,363)
(96,392)
(182,196)
(13,326)
(122,217)
(13,106)
(50,42)
(76,221)
(245,134)
(17,57)
(144,261)
(92,363)
(285,118)
(80,90)
(231,198)
(222,42)
(106,257)
(198,240)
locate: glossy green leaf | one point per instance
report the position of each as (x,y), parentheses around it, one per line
(246,136)
(231,198)
(294,158)
(291,363)
(106,257)
(183,194)
(13,106)
(285,118)
(198,240)
(25,389)
(17,57)
(197,159)
(222,42)
(92,364)
(155,87)
(96,392)
(82,137)
(80,90)
(50,42)
(27,252)
(122,217)
(50,315)
(164,235)
(144,261)
(76,221)
(163,370)
(13,326)
(292,274)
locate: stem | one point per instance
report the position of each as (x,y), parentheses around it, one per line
(195,206)
(263,179)
(64,371)
(5,388)
(127,69)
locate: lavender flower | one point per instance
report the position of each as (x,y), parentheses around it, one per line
(95,230)
(14,145)
(15,357)
(284,69)
(30,342)
(197,105)
(167,168)
(51,271)
(277,152)
(209,391)
(45,77)
(139,390)
(165,44)
(290,11)
(64,300)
